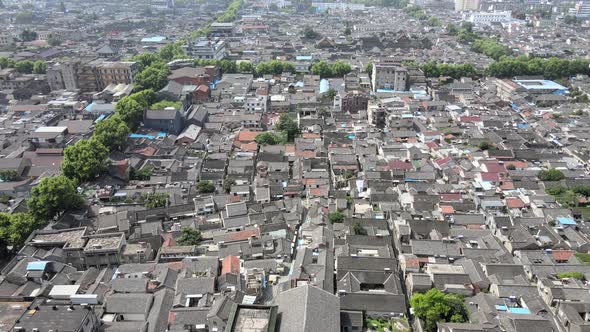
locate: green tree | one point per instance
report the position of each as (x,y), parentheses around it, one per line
(433,21)
(189,237)
(267,138)
(322,68)
(245,67)
(85,160)
(39,67)
(143,174)
(25,67)
(310,33)
(369,69)
(53,41)
(53,196)
(331,93)
(288,126)
(358,229)
(575,275)
(112,132)
(165,104)
(171,52)
(347,31)
(435,306)
(550,175)
(28,35)
(8,175)
(15,229)
(130,111)
(452,29)
(144,98)
(227,184)
(483,146)
(62,7)
(340,68)
(204,187)
(155,200)
(153,77)
(336,217)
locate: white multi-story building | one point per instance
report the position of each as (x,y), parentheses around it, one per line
(581,10)
(206,49)
(483,18)
(341,6)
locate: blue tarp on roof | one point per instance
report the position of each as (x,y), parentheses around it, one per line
(566,221)
(522,125)
(90,106)
(324,86)
(154,39)
(162,134)
(519,311)
(501,307)
(540,85)
(141,136)
(304,58)
(100,118)
(37,266)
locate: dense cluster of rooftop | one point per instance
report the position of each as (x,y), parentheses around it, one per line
(291,166)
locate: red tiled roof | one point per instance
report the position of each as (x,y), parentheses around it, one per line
(489,176)
(432,144)
(252,147)
(247,136)
(230,264)
(517,164)
(495,167)
(242,235)
(470,119)
(443,161)
(447,209)
(514,203)
(400,165)
(562,255)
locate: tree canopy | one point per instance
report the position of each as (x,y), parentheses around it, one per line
(336,217)
(15,229)
(155,200)
(53,196)
(112,132)
(435,306)
(85,160)
(189,237)
(456,71)
(326,70)
(288,127)
(205,187)
(550,175)
(268,138)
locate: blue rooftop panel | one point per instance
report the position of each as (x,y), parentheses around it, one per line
(540,85)
(324,86)
(566,221)
(141,136)
(304,58)
(100,118)
(37,266)
(519,311)
(155,39)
